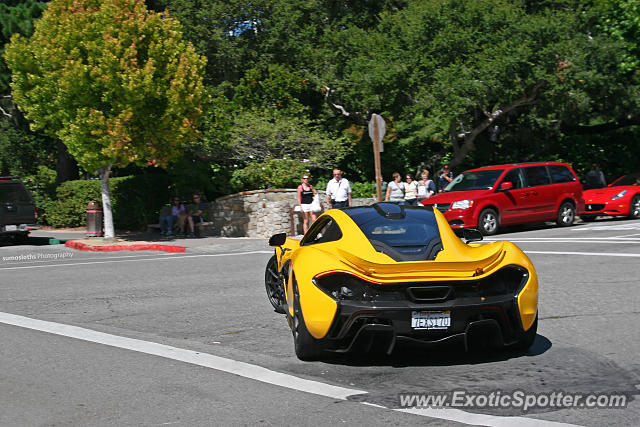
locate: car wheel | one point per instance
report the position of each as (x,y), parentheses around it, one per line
(634,209)
(488,222)
(526,338)
(307,347)
(274,285)
(588,218)
(566,215)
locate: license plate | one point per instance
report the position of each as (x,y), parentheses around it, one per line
(10,227)
(430,319)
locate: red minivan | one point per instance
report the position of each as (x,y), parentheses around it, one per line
(494,196)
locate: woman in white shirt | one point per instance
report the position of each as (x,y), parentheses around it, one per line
(426,187)
(395,189)
(410,191)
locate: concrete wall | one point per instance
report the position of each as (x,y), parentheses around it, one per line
(259,213)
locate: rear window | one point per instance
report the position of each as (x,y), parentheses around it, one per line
(560,174)
(13,192)
(417,229)
(536,175)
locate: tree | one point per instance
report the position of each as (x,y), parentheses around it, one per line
(114,82)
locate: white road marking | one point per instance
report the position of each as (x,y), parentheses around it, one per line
(583,253)
(258,373)
(632,226)
(478,419)
(242,369)
(598,241)
(160,257)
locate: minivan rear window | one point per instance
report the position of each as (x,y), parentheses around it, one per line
(560,174)
(11,192)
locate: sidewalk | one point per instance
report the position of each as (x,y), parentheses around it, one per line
(132,241)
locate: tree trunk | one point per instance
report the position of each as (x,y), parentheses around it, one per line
(109,232)
(66,166)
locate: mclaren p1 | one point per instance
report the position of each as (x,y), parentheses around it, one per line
(365,278)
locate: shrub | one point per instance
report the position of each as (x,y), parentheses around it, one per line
(273,173)
(358,189)
(135,200)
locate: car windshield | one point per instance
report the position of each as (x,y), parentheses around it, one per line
(475,180)
(631,179)
(409,230)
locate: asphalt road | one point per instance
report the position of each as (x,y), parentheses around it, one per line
(190,339)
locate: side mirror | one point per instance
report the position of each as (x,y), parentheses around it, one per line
(506,185)
(472,234)
(278,239)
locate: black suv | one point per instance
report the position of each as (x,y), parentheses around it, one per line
(18,212)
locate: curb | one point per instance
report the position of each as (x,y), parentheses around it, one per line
(111,248)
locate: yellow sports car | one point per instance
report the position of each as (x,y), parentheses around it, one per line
(367,277)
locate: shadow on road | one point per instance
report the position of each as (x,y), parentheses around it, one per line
(406,354)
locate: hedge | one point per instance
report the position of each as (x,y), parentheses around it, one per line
(135,200)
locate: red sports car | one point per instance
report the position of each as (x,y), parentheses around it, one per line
(620,198)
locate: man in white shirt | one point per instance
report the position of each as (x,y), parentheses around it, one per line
(338,191)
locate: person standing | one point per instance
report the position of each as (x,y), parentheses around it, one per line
(595,178)
(426,186)
(445,178)
(410,190)
(305,198)
(338,191)
(395,190)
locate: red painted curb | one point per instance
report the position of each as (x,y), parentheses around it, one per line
(146,247)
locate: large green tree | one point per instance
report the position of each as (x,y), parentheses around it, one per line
(114,82)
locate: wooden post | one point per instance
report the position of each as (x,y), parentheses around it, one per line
(376,159)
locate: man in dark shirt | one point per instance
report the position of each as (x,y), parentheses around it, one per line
(445,178)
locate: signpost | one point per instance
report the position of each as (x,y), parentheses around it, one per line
(377,129)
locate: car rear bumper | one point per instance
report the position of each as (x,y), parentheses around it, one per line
(359,324)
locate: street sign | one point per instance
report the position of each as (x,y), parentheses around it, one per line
(377,122)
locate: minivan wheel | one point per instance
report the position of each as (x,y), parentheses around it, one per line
(566,215)
(488,222)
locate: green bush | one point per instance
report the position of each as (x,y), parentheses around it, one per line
(273,173)
(358,189)
(135,200)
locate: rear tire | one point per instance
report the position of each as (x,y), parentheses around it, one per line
(528,337)
(274,285)
(488,222)
(566,215)
(306,346)
(634,209)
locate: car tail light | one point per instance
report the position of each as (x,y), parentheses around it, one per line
(507,280)
(343,286)
(35,212)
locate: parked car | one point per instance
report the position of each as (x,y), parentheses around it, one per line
(620,198)
(367,277)
(18,212)
(490,197)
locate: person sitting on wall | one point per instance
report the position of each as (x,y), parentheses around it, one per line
(195,214)
(169,216)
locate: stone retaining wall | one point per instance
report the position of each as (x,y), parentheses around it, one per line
(260,213)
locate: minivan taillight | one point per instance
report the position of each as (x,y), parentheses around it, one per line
(35,212)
